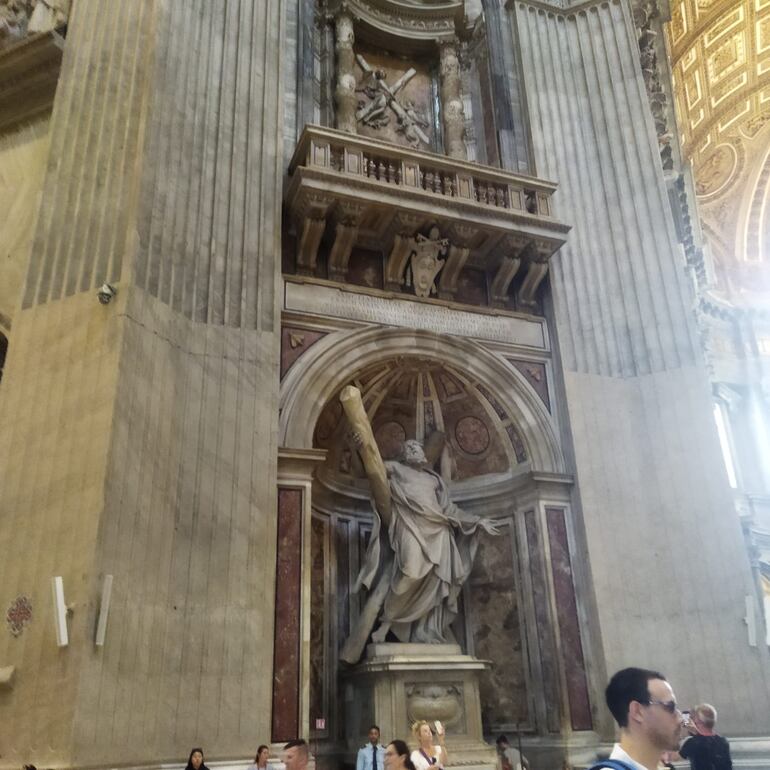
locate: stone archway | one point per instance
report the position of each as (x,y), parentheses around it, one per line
(531,494)
(334,361)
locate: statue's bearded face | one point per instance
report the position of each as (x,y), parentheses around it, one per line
(413,453)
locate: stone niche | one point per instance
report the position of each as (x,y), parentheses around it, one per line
(385,189)
(483,683)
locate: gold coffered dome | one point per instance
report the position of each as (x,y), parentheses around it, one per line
(720,56)
(720,63)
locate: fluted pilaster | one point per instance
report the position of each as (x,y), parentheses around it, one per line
(624,303)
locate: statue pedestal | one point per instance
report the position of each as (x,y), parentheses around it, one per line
(397,684)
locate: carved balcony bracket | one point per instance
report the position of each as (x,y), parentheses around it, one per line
(537,255)
(512,249)
(509,266)
(347,217)
(310,222)
(460,237)
(402,244)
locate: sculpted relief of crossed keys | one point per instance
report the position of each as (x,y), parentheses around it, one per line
(383,96)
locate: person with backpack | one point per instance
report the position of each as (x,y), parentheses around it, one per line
(643,704)
(705,749)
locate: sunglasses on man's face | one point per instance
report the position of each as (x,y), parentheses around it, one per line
(668,705)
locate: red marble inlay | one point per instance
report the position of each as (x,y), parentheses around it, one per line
(543,624)
(288,576)
(569,626)
(536,377)
(295,342)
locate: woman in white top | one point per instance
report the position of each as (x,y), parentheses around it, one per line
(260,760)
(427,755)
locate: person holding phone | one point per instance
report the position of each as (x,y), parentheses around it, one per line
(428,754)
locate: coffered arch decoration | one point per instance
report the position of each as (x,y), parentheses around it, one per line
(755,217)
(720,64)
(720,61)
(414,383)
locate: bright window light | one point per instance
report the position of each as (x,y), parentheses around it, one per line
(724,442)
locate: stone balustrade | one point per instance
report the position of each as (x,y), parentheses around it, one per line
(379,196)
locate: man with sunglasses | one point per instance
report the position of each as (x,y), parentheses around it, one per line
(643,704)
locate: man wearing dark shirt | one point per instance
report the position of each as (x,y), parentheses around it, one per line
(705,749)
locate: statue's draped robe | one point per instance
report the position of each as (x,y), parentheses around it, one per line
(433,544)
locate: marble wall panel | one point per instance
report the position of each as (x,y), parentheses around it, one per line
(569,626)
(286,662)
(321,621)
(546,648)
(497,634)
(536,376)
(295,342)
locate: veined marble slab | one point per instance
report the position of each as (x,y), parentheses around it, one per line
(318,299)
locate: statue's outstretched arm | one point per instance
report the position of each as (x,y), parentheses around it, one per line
(350,398)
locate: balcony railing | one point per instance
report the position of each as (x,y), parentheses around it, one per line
(379,196)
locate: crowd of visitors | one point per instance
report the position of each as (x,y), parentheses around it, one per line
(642,702)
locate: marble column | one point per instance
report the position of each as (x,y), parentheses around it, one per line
(451,100)
(345,90)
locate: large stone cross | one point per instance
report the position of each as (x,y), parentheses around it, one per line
(383,96)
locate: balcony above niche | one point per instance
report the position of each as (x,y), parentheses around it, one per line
(430,216)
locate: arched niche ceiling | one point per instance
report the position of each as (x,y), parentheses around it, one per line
(413,398)
(720,61)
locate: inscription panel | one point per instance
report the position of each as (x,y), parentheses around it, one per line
(338,303)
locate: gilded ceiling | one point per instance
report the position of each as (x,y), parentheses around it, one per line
(720,62)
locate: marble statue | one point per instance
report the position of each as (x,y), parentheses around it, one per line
(422,545)
(14,16)
(19,18)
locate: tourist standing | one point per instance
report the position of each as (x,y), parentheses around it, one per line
(429,754)
(195,760)
(397,756)
(260,760)
(643,704)
(296,755)
(705,749)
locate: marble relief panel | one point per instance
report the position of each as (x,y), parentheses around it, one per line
(414,94)
(497,632)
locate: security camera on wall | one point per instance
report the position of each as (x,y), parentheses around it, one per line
(59,612)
